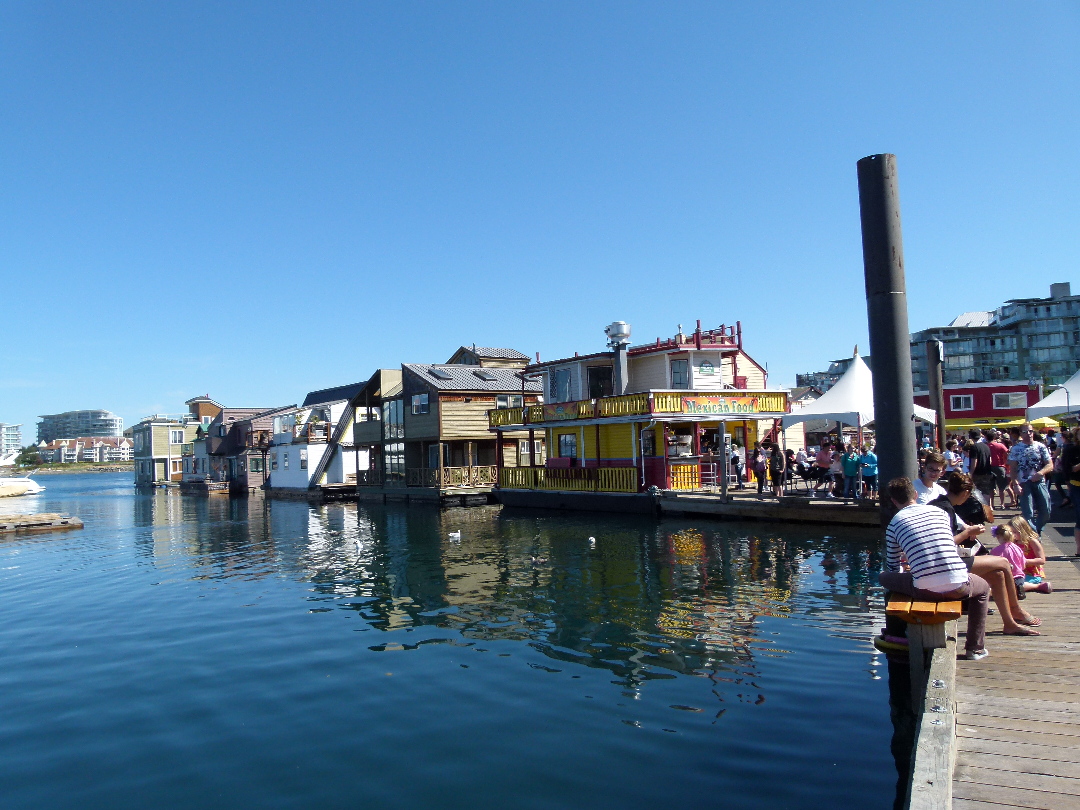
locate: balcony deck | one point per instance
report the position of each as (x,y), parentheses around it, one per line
(702,404)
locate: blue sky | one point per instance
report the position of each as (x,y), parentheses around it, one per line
(253,200)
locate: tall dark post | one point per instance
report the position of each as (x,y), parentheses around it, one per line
(936,388)
(886,310)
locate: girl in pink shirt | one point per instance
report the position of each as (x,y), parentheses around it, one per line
(1009,549)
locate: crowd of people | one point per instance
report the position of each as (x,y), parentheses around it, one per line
(844,471)
(942,543)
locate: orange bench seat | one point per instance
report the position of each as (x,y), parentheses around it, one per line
(918,612)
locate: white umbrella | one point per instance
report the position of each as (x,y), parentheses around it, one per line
(1066,399)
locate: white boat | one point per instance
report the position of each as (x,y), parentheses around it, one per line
(13,486)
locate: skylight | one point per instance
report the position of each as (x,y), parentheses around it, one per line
(441,374)
(484,374)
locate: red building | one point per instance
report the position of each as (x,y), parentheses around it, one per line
(983,405)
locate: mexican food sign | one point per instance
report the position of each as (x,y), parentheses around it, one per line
(745,404)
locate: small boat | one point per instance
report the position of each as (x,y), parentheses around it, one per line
(13,486)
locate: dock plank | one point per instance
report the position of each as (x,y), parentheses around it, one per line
(1018,710)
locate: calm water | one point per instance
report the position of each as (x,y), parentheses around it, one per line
(192,652)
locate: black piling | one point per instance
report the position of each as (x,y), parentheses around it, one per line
(887,316)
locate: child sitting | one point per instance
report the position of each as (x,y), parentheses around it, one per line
(1009,549)
(1034,556)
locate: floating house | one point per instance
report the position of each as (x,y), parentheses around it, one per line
(425,427)
(635,417)
(311,450)
(159,442)
(229,453)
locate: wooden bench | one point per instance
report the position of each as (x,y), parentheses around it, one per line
(926,632)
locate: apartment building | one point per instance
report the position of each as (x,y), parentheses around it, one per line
(78,423)
(1031,339)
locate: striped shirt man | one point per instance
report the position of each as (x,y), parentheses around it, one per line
(923,535)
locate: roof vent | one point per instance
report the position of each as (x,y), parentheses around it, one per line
(618,333)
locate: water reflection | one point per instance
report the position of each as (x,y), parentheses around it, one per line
(643,600)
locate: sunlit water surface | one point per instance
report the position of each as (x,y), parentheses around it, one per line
(194,652)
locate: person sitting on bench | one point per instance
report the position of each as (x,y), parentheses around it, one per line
(921,534)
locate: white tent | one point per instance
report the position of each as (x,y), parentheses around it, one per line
(1065,399)
(850,401)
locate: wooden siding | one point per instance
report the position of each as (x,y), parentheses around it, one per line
(161,439)
(709,382)
(367,432)
(648,372)
(423,425)
(617,441)
(755,377)
(459,419)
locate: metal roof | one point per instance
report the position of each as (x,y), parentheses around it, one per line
(464,378)
(973,319)
(496,353)
(338,394)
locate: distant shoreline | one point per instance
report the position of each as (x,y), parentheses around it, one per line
(68,469)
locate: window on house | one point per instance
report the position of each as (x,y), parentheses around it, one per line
(138,441)
(1012,400)
(256,465)
(176,437)
(273,461)
(509,401)
(241,465)
(680,376)
(303,458)
(561,389)
(648,443)
(392,417)
(284,461)
(568,445)
(206,420)
(523,449)
(433,456)
(419,404)
(394,462)
(601,381)
(962,402)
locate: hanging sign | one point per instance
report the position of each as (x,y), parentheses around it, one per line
(759,403)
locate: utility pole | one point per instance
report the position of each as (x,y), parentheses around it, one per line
(935,386)
(887,317)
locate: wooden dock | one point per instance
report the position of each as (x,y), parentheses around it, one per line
(1018,710)
(45,522)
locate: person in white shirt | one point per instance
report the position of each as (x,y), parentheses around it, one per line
(926,485)
(922,536)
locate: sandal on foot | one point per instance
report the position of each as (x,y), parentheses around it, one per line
(1021,631)
(1034,621)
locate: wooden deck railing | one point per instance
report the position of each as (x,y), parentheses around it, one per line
(576,479)
(369,478)
(685,476)
(463,477)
